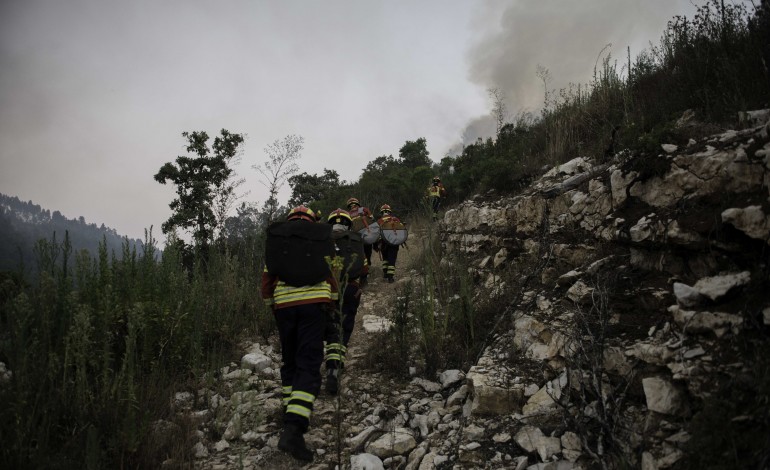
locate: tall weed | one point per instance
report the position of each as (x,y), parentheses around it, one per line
(98,346)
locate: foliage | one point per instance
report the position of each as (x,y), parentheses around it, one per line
(306,188)
(281,163)
(98,344)
(204,184)
(400,182)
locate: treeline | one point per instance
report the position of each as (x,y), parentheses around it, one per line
(97,344)
(22,224)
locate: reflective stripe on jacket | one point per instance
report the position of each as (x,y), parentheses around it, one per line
(278,294)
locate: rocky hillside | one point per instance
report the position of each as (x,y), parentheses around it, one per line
(636,337)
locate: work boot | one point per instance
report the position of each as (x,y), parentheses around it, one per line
(391,280)
(332,383)
(293,443)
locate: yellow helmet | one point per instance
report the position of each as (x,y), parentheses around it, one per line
(301,213)
(339,216)
(385,209)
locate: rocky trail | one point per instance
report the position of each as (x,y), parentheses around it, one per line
(371,422)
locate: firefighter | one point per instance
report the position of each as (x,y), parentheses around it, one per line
(356,210)
(389,252)
(436,193)
(335,350)
(300,315)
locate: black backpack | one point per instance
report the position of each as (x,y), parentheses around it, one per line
(296,251)
(350,247)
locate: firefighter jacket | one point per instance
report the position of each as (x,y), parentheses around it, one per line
(277,294)
(386,218)
(360,211)
(437,190)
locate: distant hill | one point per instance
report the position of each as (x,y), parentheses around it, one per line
(22,224)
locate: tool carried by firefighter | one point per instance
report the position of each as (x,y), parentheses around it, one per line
(392,230)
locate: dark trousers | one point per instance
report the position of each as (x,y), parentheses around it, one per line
(435,203)
(336,350)
(368,254)
(301,330)
(389,255)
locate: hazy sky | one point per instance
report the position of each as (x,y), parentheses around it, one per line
(94,94)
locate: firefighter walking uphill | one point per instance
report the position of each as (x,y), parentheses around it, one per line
(300,314)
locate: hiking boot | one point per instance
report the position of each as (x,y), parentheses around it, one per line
(332,383)
(293,443)
(391,280)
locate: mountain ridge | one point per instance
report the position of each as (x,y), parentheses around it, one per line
(24,223)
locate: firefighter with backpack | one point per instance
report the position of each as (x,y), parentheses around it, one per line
(299,288)
(393,234)
(352,267)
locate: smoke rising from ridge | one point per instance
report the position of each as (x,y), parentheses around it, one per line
(565,37)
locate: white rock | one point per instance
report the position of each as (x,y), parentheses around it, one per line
(200,451)
(669,148)
(256,361)
(457,397)
(451,377)
(396,442)
(375,324)
(571,441)
(528,437)
(183,400)
(687,296)
(365,462)
(580,293)
(500,257)
(716,287)
(359,439)
(474,432)
(427,385)
(238,374)
(663,396)
(221,445)
(415,457)
(547,447)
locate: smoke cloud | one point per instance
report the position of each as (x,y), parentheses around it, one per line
(566,38)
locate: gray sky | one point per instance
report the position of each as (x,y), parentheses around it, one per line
(94,94)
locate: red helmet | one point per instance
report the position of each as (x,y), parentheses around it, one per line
(352,201)
(385,209)
(301,213)
(339,216)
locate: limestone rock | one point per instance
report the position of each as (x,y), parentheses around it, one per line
(397,442)
(256,361)
(365,462)
(663,396)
